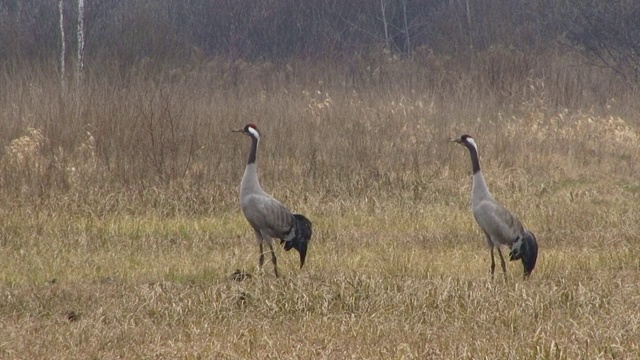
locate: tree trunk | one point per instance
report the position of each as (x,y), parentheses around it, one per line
(80,41)
(62,43)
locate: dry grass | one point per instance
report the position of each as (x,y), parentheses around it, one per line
(120,225)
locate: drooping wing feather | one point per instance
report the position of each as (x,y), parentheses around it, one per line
(502,226)
(525,248)
(299,239)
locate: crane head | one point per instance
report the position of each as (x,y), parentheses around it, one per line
(462,139)
(525,248)
(249,130)
(466,140)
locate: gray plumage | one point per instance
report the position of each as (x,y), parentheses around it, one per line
(268,217)
(499,225)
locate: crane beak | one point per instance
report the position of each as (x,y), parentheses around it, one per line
(456,140)
(238,130)
(525,248)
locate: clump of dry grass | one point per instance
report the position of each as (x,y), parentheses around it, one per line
(24,152)
(23,160)
(120,225)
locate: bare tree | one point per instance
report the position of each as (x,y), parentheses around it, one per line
(62,42)
(407,42)
(80,40)
(383,6)
(608,32)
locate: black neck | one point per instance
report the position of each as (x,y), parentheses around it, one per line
(475,163)
(252,152)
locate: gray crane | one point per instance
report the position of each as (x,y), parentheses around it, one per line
(499,225)
(268,217)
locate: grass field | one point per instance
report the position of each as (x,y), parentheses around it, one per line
(120,225)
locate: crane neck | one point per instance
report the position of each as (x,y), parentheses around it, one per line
(253,151)
(480,190)
(475,162)
(250,183)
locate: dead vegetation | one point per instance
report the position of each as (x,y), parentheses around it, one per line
(120,227)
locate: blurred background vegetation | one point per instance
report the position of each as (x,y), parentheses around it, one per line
(163,81)
(173,33)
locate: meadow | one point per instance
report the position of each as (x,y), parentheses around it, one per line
(120,225)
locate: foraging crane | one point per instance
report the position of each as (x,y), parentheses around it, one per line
(268,217)
(499,225)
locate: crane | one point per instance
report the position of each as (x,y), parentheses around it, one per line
(499,225)
(268,217)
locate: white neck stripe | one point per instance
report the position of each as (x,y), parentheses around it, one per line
(254,132)
(473,143)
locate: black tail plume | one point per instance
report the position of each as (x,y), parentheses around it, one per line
(525,248)
(303,235)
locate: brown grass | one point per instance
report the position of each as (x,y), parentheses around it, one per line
(120,225)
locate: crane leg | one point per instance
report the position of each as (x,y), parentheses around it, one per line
(274,260)
(493,263)
(491,247)
(504,267)
(259,240)
(261,261)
